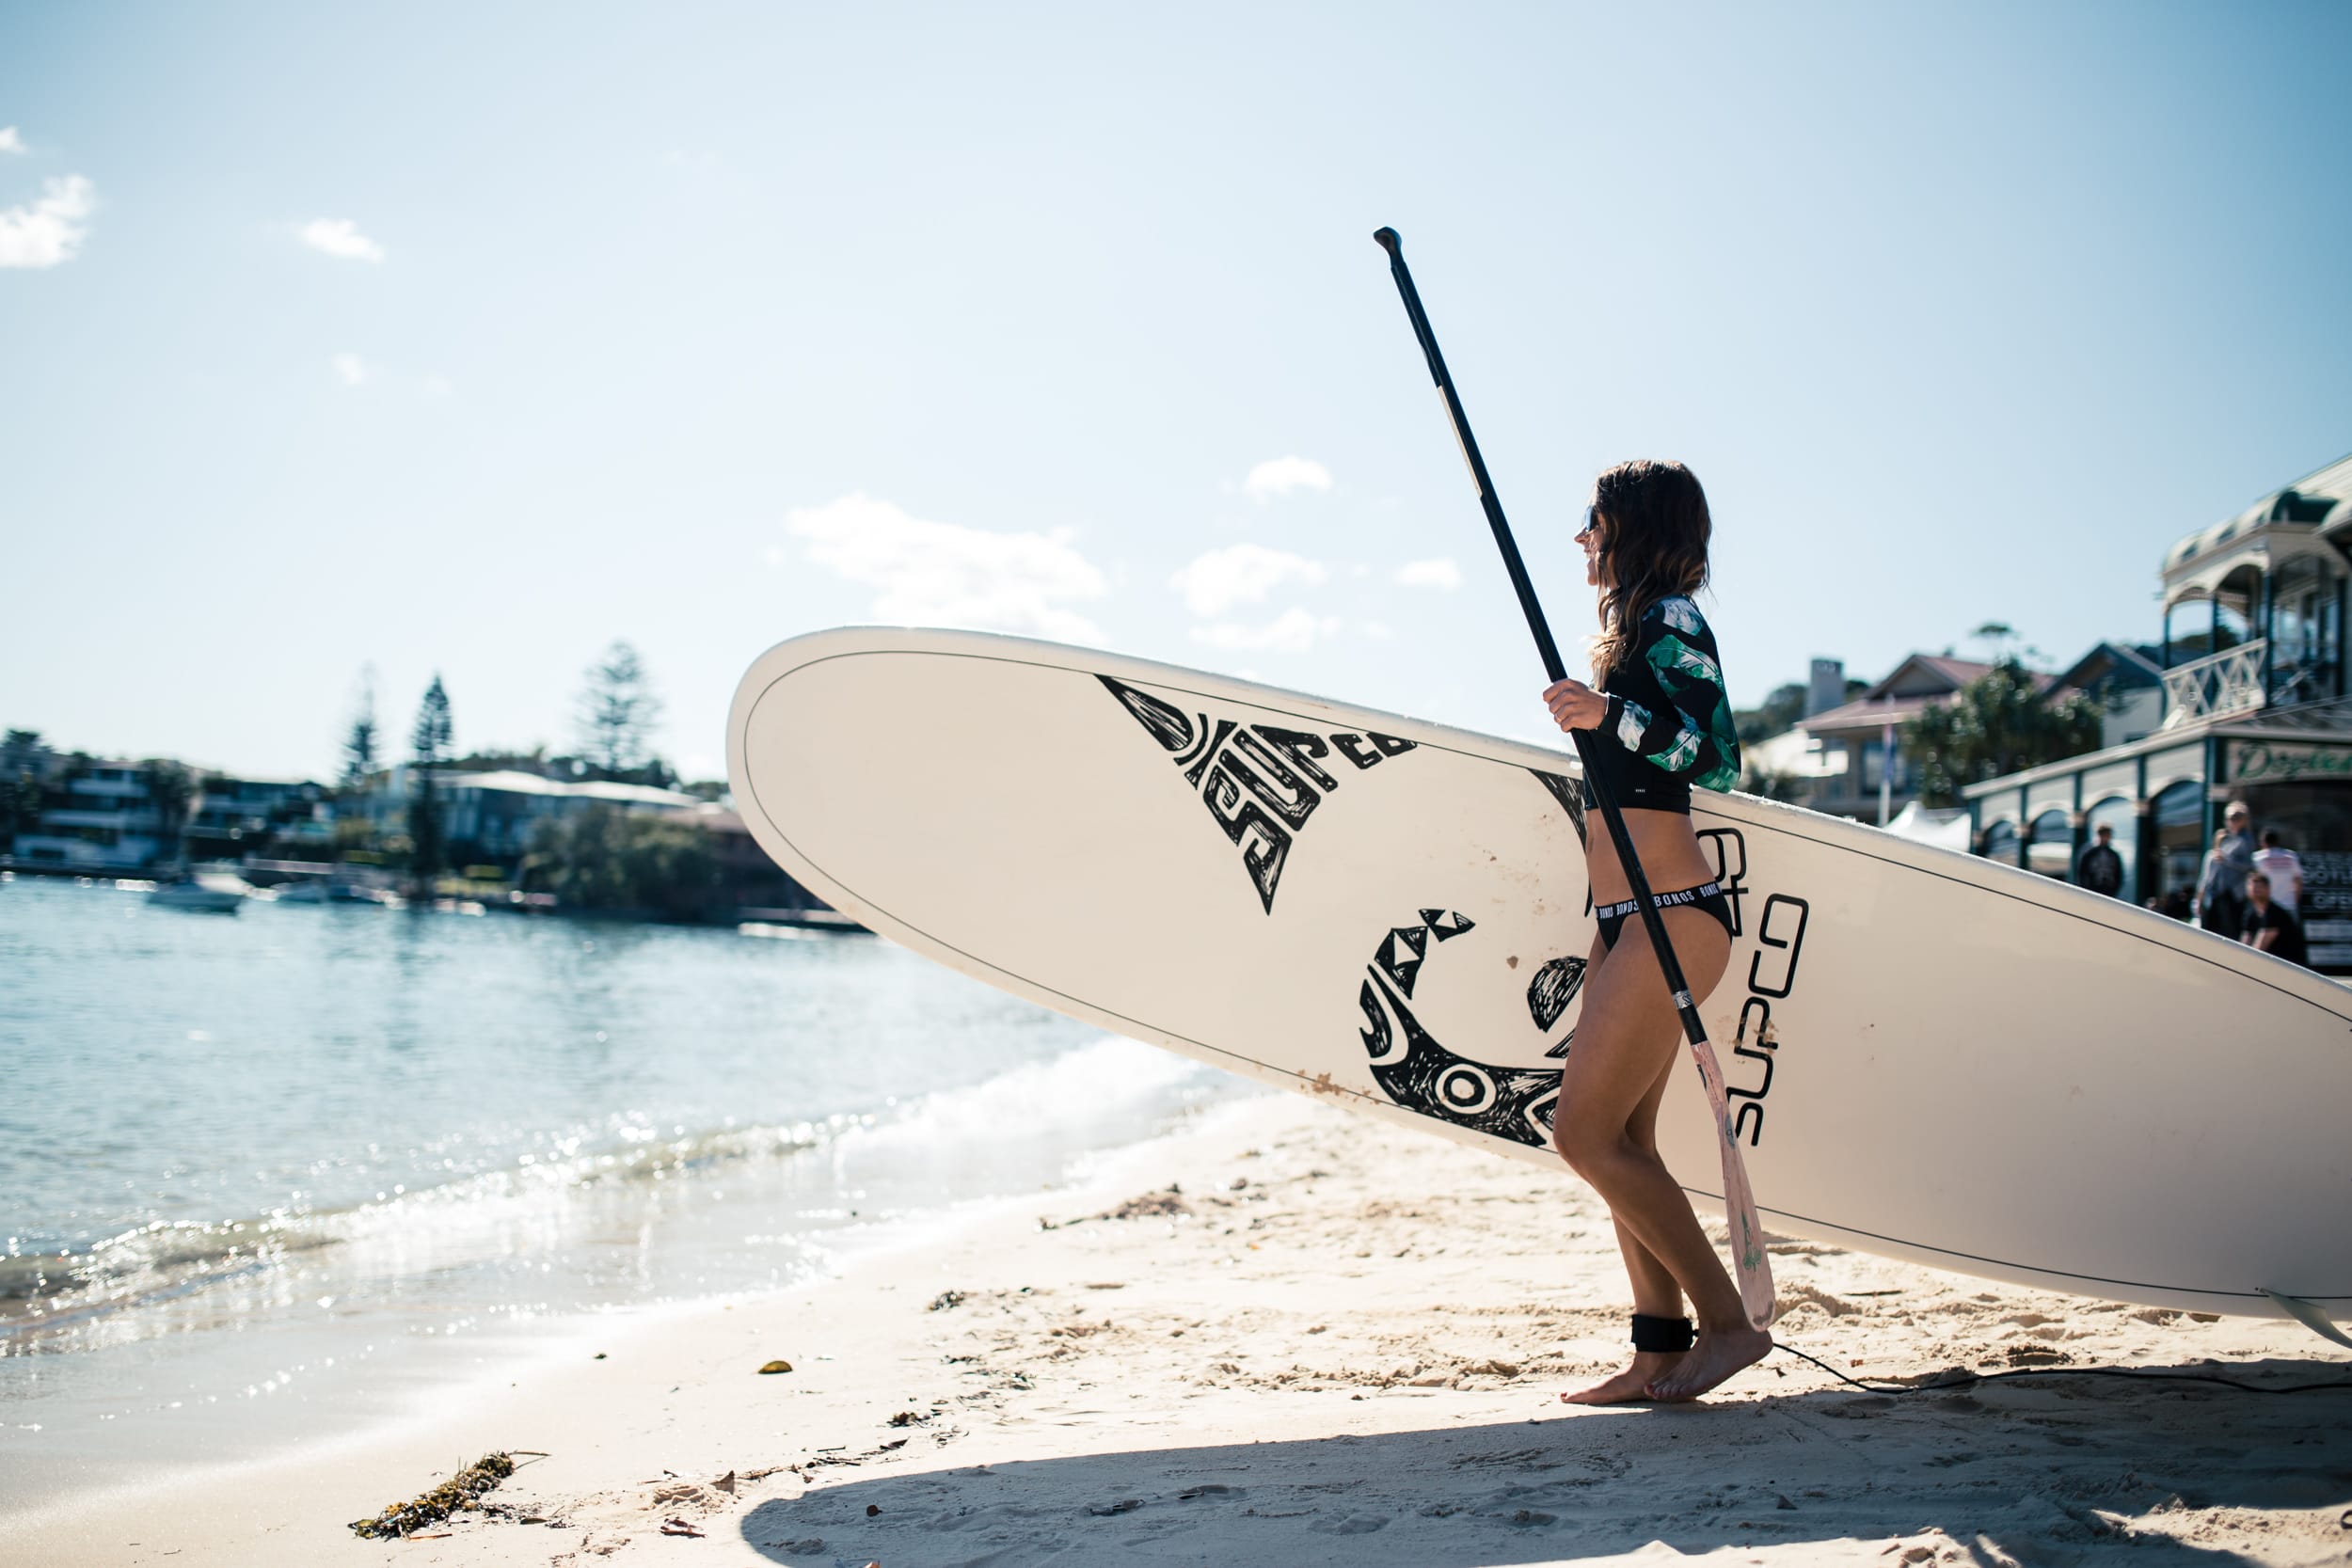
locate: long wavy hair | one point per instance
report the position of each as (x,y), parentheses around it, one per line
(1654,529)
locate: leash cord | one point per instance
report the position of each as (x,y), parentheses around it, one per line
(1967,1379)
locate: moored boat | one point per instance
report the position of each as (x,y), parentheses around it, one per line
(214,891)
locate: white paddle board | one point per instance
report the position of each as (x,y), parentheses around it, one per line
(1930,1056)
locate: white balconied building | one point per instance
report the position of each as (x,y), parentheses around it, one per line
(2257,706)
(103,822)
(2254,606)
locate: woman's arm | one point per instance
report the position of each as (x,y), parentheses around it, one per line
(1694,739)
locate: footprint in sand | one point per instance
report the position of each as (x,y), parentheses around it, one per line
(1353,1524)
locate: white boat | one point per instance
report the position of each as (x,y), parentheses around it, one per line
(219,891)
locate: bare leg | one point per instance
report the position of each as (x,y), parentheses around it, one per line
(1654,1292)
(1627,1039)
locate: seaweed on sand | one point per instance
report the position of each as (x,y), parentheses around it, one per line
(459,1492)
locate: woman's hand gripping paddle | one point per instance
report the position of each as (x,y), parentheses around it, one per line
(1751,1264)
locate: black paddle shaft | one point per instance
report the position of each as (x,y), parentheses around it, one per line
(1651,920)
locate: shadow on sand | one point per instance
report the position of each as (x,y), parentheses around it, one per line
(2040,1472)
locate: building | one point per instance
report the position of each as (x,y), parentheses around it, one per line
(241,819)
(98,818)
(2253,701)
(491,816)
(2126,680)
(1836,760)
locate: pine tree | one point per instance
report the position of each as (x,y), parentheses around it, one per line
(428,748)
(359,740)
(618,712)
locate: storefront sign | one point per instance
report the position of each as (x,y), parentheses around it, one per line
(2326,907)
(2253,762)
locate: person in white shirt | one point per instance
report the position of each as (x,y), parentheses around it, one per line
(2278,862)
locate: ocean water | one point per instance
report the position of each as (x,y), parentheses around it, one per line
(267,1178)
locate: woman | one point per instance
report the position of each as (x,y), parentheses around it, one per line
(1659,723)
(2214,889)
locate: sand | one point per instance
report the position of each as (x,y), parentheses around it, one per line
(1290,1336)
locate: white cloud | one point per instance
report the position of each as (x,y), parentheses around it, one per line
(1439,573)
(1293,631)
(352,368)
(1240,574)
(10,140)
(937,574)
(340,237)
(49,229)
(1279,476)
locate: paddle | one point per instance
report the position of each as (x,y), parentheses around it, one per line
(1755,1270)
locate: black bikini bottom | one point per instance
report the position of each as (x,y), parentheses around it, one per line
(1707,895)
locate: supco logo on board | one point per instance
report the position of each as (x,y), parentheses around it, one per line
(1780,925)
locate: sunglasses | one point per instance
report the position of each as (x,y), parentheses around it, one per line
(1592,526)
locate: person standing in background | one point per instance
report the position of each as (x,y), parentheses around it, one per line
(2101,869)
(2221,896)
(2211,894)
(2270,927)
(2279,862)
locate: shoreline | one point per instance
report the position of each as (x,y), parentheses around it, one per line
(1333,1340)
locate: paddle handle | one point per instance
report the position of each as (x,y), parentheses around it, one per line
(1751,1262)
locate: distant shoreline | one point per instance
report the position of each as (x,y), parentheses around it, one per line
(536,904)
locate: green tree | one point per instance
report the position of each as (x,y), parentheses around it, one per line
(428,748)
(171,790)
(618,712)
(1996,634)
(21,771)
(1998,723)
(604,858)
(1777,715)
(360,737)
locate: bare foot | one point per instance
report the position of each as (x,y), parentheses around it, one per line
(1720,1353)
(1630,1384)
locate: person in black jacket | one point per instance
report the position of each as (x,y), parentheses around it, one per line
(2271,926)
(2101,869)
(1660,724)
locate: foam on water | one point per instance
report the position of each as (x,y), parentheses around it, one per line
(933,1149)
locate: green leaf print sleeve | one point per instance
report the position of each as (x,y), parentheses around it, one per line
(1694,739)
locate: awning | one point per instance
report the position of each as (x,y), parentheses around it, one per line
(2265,547)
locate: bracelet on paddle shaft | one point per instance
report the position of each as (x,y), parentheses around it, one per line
(1753,1267)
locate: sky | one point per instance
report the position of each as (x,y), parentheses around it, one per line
(463,340)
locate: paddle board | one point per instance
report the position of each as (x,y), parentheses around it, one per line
(1931,1056)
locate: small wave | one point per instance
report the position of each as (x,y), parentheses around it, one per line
(1108,1090)
(431,1225)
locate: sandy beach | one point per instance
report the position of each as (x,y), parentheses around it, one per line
(1285,1335)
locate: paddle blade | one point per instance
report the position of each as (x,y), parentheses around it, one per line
(1750,1263)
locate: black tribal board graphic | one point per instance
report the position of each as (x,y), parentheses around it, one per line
(1421,1073)
(1890,1015)
(1282,769)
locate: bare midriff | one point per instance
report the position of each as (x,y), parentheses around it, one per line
(1666,841)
